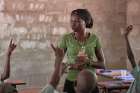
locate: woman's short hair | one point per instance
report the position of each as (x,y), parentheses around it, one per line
(85,15)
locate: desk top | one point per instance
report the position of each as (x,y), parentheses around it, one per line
(116,74)
(15,82)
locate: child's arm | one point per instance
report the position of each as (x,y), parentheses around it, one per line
(6,73)
(129,50)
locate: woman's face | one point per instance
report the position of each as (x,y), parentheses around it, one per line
(77,23)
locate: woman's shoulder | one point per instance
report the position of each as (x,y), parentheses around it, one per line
(67,35)
(93,36)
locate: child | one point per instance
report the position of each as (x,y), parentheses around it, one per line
(5,87)
(135,86)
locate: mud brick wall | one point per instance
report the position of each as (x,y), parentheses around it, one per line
(34,24)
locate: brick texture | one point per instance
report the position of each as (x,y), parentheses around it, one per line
(34,24)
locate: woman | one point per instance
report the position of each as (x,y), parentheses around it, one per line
(81,41)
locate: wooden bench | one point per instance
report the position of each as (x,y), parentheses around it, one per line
(108,86)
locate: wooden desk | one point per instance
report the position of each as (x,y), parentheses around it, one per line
(119,82)
(15,82)
(107,86)
(115,74)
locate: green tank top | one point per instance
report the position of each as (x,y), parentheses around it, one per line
(72,46)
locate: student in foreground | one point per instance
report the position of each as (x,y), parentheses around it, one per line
(5,87)
(135,86)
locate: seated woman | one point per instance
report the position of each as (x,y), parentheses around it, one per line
(5,87)
(135,86)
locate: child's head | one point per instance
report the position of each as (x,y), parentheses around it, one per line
(86,82)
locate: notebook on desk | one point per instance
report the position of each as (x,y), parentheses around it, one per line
(121,74)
